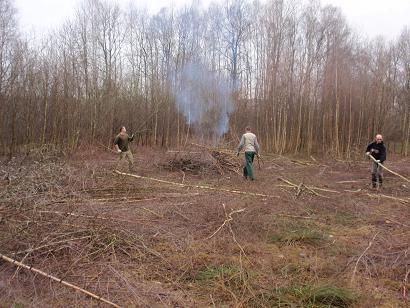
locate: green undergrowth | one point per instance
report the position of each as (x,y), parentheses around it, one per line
(297,232)
(217,272)
(317,296)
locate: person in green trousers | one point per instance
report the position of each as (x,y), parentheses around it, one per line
(121,144)
(250,144)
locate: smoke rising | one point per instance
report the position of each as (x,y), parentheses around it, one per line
(205,100)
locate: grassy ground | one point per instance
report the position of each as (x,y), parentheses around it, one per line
(328,241)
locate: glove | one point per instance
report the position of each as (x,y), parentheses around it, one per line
(119,151)
(257,154)
(378,161)
(367,153)
(237,154)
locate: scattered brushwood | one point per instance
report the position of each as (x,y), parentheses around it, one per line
(142,240)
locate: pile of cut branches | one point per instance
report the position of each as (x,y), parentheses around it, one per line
(186,164)
(225,162)
(222,161)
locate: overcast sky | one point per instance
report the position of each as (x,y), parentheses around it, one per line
(369,17)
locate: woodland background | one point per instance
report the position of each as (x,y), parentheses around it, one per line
(296,72)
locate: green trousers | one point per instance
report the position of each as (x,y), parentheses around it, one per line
(248,169)
(128,156)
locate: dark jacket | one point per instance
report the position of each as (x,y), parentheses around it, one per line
(377,150)
(122,140)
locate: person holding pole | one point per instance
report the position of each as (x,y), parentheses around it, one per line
(250,144)
(121,143)
(377,150)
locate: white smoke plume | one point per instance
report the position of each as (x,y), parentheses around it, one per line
(205,100)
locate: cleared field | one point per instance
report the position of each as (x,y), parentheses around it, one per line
(309,233)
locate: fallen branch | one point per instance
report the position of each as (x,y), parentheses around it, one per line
(12,261)
(310,189)
(196,186)
(389,197)
(353,191)
(89,216)
(387,169)
(299,162)
(347,182)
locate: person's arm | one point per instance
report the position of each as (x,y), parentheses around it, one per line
(368,149)
(116,144)
(257,146)
(383,154)
(241,144)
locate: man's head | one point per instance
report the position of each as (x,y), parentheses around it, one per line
(123,129)
(248,129)
(378,138)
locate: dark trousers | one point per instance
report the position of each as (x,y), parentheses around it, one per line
(377,174)
(248,169)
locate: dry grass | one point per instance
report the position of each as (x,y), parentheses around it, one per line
(143,243)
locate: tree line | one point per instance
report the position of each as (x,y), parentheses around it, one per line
(300,76)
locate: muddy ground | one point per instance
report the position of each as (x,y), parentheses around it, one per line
(329,240)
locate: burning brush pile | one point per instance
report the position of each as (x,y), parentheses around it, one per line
(186,164)
(208,161)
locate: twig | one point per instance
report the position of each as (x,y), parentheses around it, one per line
(361,256)
(227,220)
(213,303)
(12,261)
(405,284)
(387,169)
(152,212)
(300,189)
(51,244)
(183,177)
(295,216)
(197,186)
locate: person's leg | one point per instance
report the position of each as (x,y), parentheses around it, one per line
(380,175)
(249,160)
(130,159)
(120,158)
(374,174)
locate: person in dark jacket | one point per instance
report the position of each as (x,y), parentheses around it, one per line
(378,151)
(121,144)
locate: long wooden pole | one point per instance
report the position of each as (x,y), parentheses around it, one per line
(58,280)
(196,186)
(387,169)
